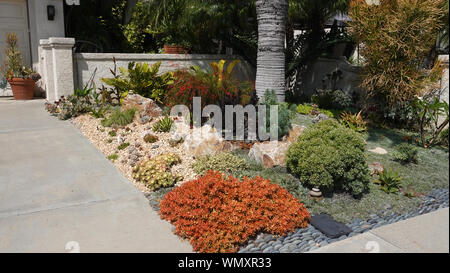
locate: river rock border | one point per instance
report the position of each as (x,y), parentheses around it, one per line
(307,239)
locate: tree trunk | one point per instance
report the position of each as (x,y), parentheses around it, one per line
(270,63)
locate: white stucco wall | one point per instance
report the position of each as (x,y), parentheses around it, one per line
(41,27)
(100,63)
(445,77)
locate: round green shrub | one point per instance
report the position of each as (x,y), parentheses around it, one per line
(304,109)
(405,153)
(331,157)
(222,162)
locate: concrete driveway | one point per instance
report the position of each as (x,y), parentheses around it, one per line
(58,193)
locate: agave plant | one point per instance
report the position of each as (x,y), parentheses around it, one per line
(163,125)
(389,181)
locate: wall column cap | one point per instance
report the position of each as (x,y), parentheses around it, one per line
(44,42)
(444,59)
(60,41)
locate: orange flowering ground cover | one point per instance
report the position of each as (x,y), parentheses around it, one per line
(218,213)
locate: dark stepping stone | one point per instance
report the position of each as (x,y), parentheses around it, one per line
(329,226)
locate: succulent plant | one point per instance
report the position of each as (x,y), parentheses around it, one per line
(223,162)
(123,145)
(113,157)
(155,172)
(163,125)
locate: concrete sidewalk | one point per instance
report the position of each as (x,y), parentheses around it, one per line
(58,192)
(428,233)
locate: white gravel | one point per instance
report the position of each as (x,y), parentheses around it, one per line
(99,136)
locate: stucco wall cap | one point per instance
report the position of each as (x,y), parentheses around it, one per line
(43,42)
(152,57)
(443,59)
(61,41)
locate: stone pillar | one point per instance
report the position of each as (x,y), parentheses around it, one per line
(56,65)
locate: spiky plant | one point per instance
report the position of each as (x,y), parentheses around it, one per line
(13,61)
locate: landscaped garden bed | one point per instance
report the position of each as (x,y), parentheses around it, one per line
(141,145)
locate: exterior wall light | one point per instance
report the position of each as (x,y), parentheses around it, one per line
(51,12)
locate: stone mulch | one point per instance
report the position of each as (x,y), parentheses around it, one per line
(99,136)
(303,240)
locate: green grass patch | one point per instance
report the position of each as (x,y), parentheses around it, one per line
(119,118)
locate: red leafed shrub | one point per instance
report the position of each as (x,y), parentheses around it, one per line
(213,88)
(185,87)
(218,213)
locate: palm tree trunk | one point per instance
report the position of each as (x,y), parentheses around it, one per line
(270,66)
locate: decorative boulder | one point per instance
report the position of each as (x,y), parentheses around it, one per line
(376,168)
(206,141)
(145,107)
(273,153)
(320,117)
(270,153)
(294,133)
(176,139)
(379,150)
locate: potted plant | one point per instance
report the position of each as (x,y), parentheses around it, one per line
(167,24)
(21,78)
(173,46)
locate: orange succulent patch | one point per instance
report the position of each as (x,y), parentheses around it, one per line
(218,213)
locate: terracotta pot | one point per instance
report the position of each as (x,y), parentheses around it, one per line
(171,49)
(23,89)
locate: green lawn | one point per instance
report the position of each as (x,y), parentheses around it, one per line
(432,171)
